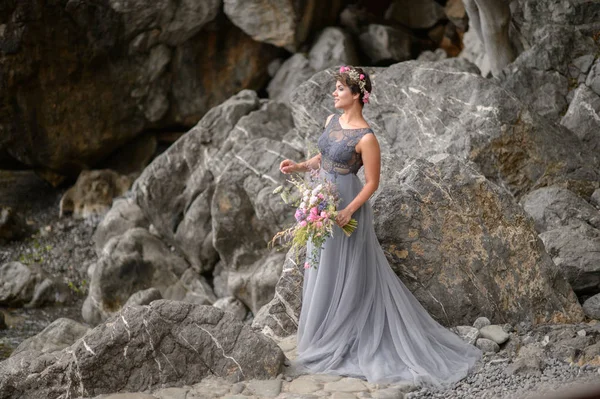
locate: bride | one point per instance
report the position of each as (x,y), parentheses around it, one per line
(358,319)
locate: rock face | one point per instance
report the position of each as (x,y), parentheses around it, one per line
(245,194)
(175,190)
(457,235)
(82,79)
(332,48)
(283,23)
(60,334)
(210,194)
(570,230)
(384,43)
(23,285)
(544,75)
(164,344)
(279,318)
(582,117)
(123,215)
(293,72)
(423,108)
(131,262)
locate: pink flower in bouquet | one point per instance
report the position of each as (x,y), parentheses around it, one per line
(324,214)
(303,223)
(320,196)
(319,224)
(299,215)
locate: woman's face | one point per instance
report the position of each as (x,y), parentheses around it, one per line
(342,96)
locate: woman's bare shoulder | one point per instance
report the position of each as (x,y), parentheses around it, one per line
(329,119)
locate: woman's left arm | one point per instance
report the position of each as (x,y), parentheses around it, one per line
(371,157)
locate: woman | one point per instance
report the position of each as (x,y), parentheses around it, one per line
(358,319)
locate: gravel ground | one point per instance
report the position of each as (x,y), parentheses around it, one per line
(63,248)
(490,382)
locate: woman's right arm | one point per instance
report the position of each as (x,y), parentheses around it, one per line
(289,166)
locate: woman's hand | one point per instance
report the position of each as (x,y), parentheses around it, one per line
(288,166)
(343,217)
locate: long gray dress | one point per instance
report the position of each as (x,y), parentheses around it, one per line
(358,319)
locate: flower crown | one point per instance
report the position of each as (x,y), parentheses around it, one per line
(357,78)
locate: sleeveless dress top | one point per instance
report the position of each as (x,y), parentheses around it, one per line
(337,146)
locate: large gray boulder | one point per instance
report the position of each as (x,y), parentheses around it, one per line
(233,305)
(464,247)
(165,344)
(591,307)
(191,288)
(30,286)
(383,43)
(555,207)
(425,108)
(293,72)
(574,250)
(124,214)
(570,229)
(18,283)
(60,334)
(583,117)
(333,47)
(133,261)
(283,23)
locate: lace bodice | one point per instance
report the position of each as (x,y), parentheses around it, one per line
(337,146)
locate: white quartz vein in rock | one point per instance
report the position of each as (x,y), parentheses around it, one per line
(87,347)
(126,327)
(222,349)
(253,169)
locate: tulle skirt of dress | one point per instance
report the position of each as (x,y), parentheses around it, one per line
(358,319)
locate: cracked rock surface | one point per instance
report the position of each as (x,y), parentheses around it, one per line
(167,343)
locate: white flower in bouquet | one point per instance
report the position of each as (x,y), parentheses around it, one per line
(315,216)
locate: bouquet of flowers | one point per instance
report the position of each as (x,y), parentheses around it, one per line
(316,201)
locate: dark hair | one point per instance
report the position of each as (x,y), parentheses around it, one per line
(344,77)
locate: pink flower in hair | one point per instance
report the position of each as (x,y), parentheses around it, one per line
(361,77)
(366,97)
(342,70)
